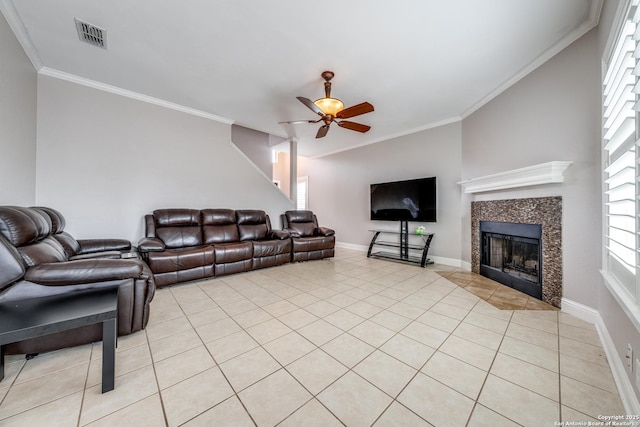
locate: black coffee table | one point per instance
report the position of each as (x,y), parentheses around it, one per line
(35,317)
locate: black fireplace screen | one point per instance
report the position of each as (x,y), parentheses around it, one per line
(516,256)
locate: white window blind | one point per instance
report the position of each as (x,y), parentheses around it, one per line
(620,97)
(302,196)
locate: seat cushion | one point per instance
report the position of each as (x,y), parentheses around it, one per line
(264,248)
(180,259)
(308,244)
(232,252)
(219,226)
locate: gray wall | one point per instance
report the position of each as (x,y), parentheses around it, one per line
(339,185)
(551,114)
(255,145)
(18,87)
(106,166)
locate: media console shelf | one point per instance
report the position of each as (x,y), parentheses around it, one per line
(402,245)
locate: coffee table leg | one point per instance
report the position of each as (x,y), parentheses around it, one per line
(108,354)
(1,362)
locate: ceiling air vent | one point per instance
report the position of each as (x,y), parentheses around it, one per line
(91,34)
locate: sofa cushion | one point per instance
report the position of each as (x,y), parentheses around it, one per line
(45,251)
(11,266)
(180,259)
(252,224)
(219,226)
(21,226)
(265,248)
(178,228)
(232,251)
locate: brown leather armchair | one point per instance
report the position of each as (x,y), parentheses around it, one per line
(310,241)
(33,263)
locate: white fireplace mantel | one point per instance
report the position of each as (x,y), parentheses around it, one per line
(544,173)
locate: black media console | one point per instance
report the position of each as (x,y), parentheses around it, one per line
(403,246)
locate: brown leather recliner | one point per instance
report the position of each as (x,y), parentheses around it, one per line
(33,263)
(309,240)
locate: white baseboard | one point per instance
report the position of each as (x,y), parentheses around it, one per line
(352,246)
(588,314)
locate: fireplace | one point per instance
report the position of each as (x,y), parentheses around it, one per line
(543,211)
(511,253)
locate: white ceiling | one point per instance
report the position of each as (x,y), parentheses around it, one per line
(421,63)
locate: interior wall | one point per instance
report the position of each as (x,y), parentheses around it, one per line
(551,114)
(339,185)
(255,145)
(105,161)
(18,97)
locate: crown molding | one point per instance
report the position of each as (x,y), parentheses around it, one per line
(15,23)
(50,72)
(544,173)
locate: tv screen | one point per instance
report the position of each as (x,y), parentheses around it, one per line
(411,200)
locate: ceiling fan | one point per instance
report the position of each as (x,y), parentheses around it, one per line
(329,109)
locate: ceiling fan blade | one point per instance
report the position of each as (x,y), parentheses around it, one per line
(295,122)
(356,110)
(309,103)
(322,131)
(354,126)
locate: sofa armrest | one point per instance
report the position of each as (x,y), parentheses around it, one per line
(278,235)
(324,231)
(150,244)
(84,271)
(88,246)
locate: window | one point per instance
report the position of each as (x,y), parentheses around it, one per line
(620,157)
(302,195)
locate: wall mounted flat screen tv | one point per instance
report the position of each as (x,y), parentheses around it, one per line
(410,200)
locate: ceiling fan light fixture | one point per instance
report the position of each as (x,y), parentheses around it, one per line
(329,106)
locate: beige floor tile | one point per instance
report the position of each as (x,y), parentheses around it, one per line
(587,372)
(312,414)
(380,300)
(398,416)
(408,350)
(289,347)
(469,352)
(252,317)
(344,319)
(372,333)
(385,372)
(279,308)
(204,317)
(421,302)
(172,345)
(129,388)
(527,375)
(45,389)
(570,414)
(303,299)
(539,356)
(228,413)
(578,349)
(268,331)
(193,307)
(126,361)
(435,402)
(182,366)
(321,308)
(319,332)
(274,398)
(453,311)
(191,397)
(531,320)
(316,370)
(354,400)
(238,307)
(249,367)
(438,321)
(456,374)
(589,399)
(518,404)
(341,300)
(124,343)
(484,417)
(48,363)
(390,320)
(589,336)
(425,334)
(298,318)
(492,324)
(533,336)
(231,346)
(163,313)
(568,319)
(487,309)
(164,329)
(62,412)
(12,367)
(146,412)
(363,309)
(348,349)
(218,329)
(407,310)
(481,336)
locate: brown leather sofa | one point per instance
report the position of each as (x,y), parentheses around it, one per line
(309,240)
(34,263)
(190,244)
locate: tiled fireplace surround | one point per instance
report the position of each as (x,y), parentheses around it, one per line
(546,211)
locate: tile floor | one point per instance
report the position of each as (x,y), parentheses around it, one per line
(350,340)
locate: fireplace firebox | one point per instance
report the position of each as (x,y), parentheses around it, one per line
(511,253)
